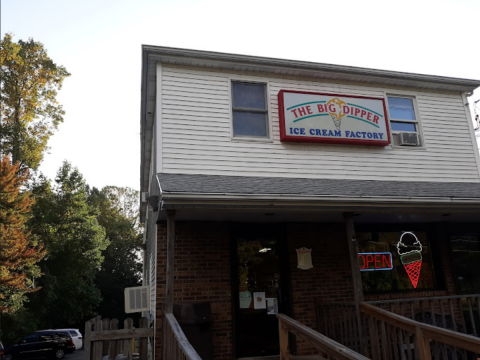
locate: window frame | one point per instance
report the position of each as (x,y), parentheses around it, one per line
(267,111)
(439,277)
(416,122)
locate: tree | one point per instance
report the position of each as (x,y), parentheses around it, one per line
(122,267)
(29,110)
(67,224)
(20,253)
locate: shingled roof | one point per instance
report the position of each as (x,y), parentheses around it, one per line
(246,185)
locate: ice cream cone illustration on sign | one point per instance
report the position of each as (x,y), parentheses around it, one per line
(335,110)
(410,250)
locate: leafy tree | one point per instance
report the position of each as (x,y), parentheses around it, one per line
(29,110)
(68,225)
(18,324)
(20,253)
(119,214)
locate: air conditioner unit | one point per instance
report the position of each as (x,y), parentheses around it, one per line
(408,139)
(136,299)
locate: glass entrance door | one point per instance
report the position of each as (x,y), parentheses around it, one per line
(259,294)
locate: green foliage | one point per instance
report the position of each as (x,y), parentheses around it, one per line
(29,110)
(67,223)
(119,214)
(94,244)
(16,325)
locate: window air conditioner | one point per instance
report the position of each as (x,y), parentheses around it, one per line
(136,299)
(409,139)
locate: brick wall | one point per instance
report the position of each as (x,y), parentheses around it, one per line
(202,273)
(329,280)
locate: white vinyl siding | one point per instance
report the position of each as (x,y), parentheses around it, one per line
(196,135)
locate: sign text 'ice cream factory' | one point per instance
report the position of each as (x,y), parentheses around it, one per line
(332,118)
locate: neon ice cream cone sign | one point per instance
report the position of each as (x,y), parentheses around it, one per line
(410,256)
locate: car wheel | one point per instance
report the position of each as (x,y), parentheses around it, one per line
(59,354)
(8,357)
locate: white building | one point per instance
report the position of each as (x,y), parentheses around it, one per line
(276,154)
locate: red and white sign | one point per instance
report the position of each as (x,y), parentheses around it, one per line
(332,118)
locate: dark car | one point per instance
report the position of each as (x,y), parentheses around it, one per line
(41,344)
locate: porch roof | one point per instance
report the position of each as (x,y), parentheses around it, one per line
(184,188)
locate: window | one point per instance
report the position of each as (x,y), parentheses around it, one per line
(249,109)
(411,263)
(46,337)
(466,262)
(403,119)
(30,339)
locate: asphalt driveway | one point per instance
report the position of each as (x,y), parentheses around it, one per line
(76,355)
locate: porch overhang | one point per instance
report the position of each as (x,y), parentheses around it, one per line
(242,193)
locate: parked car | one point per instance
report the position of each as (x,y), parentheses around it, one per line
(74,333)
(40,344)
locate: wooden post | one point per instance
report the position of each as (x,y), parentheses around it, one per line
(143,348)
(169,274)
(170,260)
(283,337)
(127,343)
(97,345)
(105,326)
(112,346)
(356,277)
(88,330)
(423,345)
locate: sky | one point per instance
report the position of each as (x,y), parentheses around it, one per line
(99,42)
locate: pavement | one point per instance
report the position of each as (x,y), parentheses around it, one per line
(76,355)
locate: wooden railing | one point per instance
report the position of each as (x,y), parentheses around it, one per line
(102,337)
(327,347)
(459,313)
(177,347)
(338,321)
(392,336)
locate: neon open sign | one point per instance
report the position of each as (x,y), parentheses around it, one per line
(375,261)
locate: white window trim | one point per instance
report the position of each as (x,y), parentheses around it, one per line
(253,80)
(418,121)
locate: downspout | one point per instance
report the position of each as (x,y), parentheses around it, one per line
(468,114)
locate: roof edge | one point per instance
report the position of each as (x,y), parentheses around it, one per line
(163,53)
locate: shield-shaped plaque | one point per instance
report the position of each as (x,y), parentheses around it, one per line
(304,257)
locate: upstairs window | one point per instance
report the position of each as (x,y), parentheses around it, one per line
(402,114)
(403,121)
(249,110)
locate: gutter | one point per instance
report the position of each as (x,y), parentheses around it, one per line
(238,200)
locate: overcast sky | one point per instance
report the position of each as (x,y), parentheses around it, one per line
(99,42)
